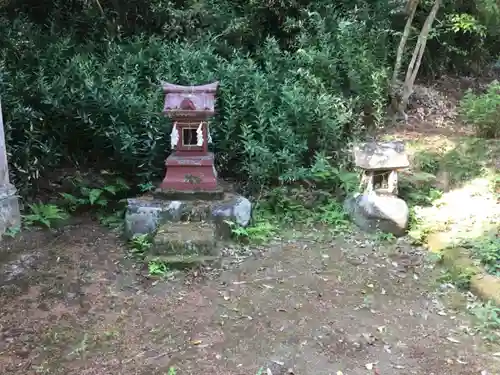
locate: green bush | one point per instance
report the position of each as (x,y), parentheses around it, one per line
(276,111)
(483,110)
(299,78)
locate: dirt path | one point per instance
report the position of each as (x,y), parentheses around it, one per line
(313,306)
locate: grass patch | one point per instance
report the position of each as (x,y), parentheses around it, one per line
(452,186)
(282,208)
(487,251)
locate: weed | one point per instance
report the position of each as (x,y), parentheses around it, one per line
(460,278)
(487,319)
(260,231)
(419,228)
(148,186)
(44,214)
(140,244)
(113,221)
(384,237)
(487,250)
(95,197)
(332,213)
(427,161)
(482,110)
(12,232)
(172,371)
(157,268)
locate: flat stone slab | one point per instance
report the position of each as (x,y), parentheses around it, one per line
(147,213)
(185,239)
(381,156)
(186,261)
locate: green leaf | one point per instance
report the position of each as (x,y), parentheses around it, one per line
(94,195)
(112,189)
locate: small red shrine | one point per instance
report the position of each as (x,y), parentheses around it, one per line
(190,167)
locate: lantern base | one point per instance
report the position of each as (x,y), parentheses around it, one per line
(190,173)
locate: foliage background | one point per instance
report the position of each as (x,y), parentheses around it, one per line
(299,79)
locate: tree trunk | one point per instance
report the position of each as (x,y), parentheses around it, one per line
(411,8)
(416,59)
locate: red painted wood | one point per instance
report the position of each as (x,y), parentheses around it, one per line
(190,167)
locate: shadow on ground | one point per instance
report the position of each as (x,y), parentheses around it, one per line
(316,305)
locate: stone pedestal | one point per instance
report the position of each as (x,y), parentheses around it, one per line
(190,173)
(186,229)
(10,216)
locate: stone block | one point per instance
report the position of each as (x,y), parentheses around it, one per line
(185,239)
(236,210)
(144,215)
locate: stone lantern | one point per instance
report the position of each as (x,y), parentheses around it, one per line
(378,206)
(380,163)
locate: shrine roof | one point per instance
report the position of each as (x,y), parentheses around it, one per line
(209,88)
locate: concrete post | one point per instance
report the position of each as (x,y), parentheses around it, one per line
(10,216)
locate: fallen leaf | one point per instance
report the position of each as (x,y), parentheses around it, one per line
(196,342)
(451,339)
(340,373)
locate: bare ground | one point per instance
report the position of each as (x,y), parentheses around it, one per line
(72,304)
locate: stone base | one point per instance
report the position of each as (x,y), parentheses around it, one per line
(10,216)
(372,212)
(185,239)
(146,214)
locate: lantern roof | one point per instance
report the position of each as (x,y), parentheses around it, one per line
(381,156)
